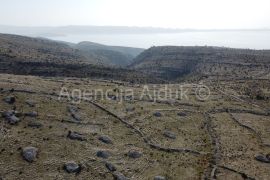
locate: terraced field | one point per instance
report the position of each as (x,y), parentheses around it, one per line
(225,136)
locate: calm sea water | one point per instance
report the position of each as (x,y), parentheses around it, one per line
(236,39)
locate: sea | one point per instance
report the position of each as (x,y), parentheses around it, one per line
(232,39)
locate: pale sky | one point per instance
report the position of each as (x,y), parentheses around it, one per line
(199,14)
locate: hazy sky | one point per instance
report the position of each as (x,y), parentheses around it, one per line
(157,13)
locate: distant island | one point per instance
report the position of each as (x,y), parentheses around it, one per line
(72,30)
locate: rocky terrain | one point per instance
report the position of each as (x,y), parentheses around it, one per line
(68,111)
(109,55)
(47,136)
(172,62)
(42,57)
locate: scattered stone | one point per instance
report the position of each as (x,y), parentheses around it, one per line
(10,99)
(30,103)
(262,158)
(105,139)
(169,134)
(76,136)
(72,167)
(74,113)
(129,98)
(268,156)
(112,97)
(119,176)
(134,154)
(13,120)
(8,113)
(11,117)
(181,114)
(29,153)
(103,154)
(110,166)
(159,178)
(157,114)
(35,124)
(31,114)
(130,109)
(77,117)
(72,109)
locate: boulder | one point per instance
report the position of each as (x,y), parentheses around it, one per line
(29,153)
(8,113)
(105,139)
(74,113)
(10,99)
(103,154)
(72,109)
(10,117)
(130,109)
(30,103)
(76,136)
(119,176)
(262,158)
(110,167)
(134,154)
(159,178)
(35,124)
(169,134)
(182,114)
(268,156)
(72,167)
(31,114)
(157,114)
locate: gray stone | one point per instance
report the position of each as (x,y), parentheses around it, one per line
(169,134)
(31,114)
(8,113)
(35,124)
(10,99)
(110,167)
(30,103)
(119,176)
(12,120)
(30,153)
(72,167)
(134,154)
(159,178)
(157,114)
(130,109)
(181,114)
(74,113)
(76,136)
(105,139)
(268,156)
(72,109)
(10,117)
(11,112)
(262,158)
(103,154)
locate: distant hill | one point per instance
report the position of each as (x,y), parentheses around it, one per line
(39,50)
(35,56)
(172,62)
(109,55)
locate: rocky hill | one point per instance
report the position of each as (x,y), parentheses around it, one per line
(38,50)
(35,56)
(109,55)
(171,62)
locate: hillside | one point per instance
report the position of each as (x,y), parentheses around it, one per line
(38,50)
(109,55)
(35,56)
(171,62)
